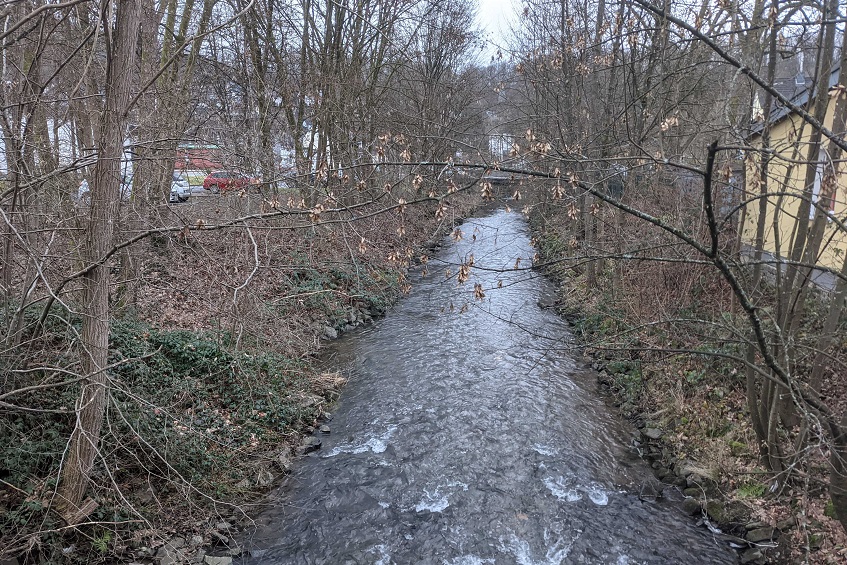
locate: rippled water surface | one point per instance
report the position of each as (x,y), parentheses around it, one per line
(471,437)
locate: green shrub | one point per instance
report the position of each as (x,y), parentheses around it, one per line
(751,490)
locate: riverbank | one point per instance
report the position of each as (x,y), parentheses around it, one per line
(688,410)
(214,383)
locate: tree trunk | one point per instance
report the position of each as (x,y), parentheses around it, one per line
(105,192)
(838,473)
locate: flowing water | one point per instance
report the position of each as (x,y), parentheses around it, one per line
(468,434)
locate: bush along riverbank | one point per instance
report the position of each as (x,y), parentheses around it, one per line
(214,386)
(688,410)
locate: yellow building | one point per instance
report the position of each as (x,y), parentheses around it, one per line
(786,185)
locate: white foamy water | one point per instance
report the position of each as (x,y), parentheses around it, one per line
(597,495)
(468,560)
(384,557)
(432,502)
(375,444)
(561,489)
(544,450)
(555,554)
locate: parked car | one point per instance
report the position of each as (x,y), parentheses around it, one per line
(180,189)
(226,180)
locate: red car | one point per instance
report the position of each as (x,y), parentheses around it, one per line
(226,180)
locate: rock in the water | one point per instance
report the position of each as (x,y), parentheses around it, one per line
(213,560)
(650,490)
(690,506)
(672,479)
(651,433)
(309,445)
(683,469)
(761,534)
(325,429)
(329,332)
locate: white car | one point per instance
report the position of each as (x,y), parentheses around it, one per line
(180,189)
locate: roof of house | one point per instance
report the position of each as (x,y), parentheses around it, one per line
(800,98)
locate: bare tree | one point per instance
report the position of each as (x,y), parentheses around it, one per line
(640,115)
(121,37)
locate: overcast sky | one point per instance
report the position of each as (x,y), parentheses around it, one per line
(495,17)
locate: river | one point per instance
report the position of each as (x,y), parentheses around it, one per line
(468,434)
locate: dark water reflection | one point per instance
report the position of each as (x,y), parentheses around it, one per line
(471,438)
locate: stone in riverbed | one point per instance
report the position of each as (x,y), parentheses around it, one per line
(761,534)
(673,480)
(752,556)
(690,506)
(716,511)
(651,489)
(309,445)
(683,469)
(329,332)
(651,433)
(213,560)
(325,429)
